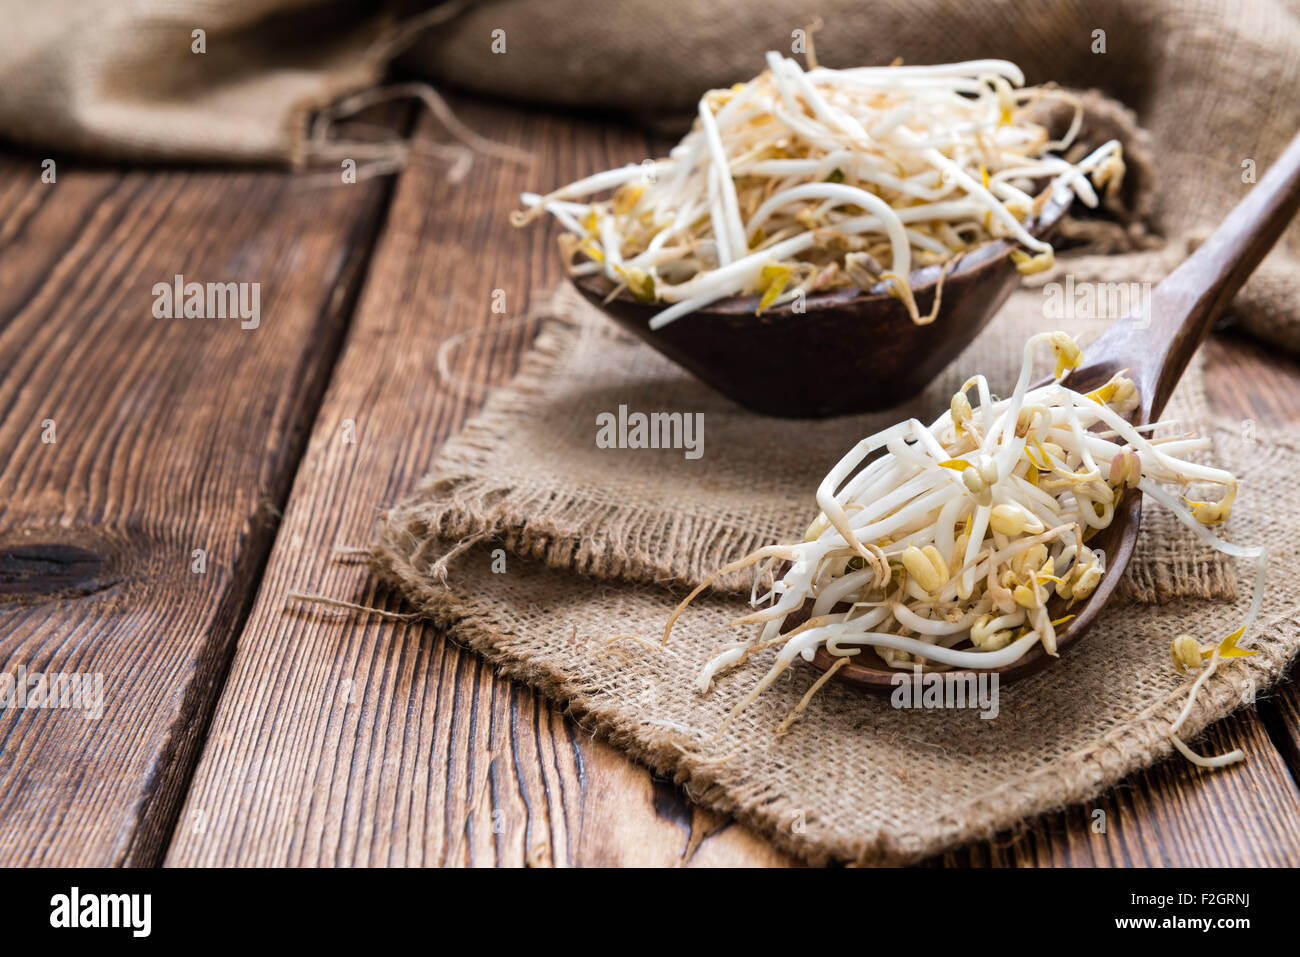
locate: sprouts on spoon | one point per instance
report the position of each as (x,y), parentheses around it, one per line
(809,180)
(944,551)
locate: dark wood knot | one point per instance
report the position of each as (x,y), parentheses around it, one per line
(50,567)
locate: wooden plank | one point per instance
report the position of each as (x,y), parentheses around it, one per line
(346,740)
(1172,815)
(36,232)
(1253,381)
(1281,715)
(169,435)
(350,740)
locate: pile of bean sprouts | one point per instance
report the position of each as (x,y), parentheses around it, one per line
(803,181)
(944,551)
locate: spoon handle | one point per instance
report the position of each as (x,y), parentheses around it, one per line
(1181,310)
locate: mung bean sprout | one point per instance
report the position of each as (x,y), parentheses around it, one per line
(802,181)
(945,550)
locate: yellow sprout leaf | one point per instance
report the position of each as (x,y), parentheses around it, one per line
(957,465)
(639,283)
(775,277)
(1103,395)
(627,197)
(1046,464)
(1228,647)
(1058,622)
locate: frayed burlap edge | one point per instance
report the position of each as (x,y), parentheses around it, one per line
(1069,781)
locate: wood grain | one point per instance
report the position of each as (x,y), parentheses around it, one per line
(344,739)
(169,435)
(1172,815)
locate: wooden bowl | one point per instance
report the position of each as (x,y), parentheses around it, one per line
(849,351)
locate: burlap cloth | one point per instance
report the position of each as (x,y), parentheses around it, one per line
(600,543)
(1215,82)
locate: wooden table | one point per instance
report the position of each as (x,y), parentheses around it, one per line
(243,729)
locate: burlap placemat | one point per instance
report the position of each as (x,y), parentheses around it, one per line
(596,543)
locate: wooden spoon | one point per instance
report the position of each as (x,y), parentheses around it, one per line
(1155,348)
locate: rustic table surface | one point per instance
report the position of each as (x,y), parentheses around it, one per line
(241,728)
